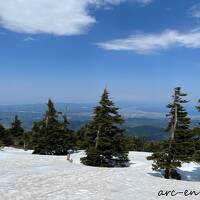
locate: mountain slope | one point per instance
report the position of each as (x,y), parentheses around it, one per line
(149,132)
(29,177)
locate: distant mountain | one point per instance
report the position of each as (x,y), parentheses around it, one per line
(150,133)
(134,122)
(139,120)
(77,113)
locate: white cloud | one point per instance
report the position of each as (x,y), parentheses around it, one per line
(195,10)
(116,2)
(29,39)
(148,43)
(59,17)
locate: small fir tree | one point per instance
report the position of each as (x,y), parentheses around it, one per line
(16,128)
(2,135)
(17,132)
(105,137)
(81,142)
(51,136)
(180,147)
(5,137)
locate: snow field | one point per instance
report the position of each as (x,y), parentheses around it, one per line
(24,176)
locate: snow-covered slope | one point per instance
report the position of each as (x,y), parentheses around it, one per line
(24,176)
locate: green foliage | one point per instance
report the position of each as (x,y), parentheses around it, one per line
(1,145)
(196,133)
(106,143)
(4,138)
(27,140)
(164,157)
(135,143)
(16,129)
(180,148)
(82,138)
(15,133)
(93,158)
(51,136)
(150,133)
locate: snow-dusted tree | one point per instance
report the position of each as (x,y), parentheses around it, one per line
(180,147)
(105,138)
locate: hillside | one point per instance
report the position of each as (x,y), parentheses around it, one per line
(150,133)
(29,177)
(140,121)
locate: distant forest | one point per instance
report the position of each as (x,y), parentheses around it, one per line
(107,137)
(153,129)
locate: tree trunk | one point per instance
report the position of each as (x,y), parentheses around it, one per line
(47,121)
(24,145)
(68,156)
(97,138)
(174,123)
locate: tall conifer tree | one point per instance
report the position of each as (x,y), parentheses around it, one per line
(180,147)
(196,132)
(105,137)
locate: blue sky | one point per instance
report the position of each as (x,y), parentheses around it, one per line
(70,50)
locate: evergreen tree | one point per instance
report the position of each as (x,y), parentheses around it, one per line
(51,136)
(136,143)
(105,139)
(81,142)
(26,140)
(196,132)
(16,128)
(2,135)
(68,134)
(16,131)
(5,137)
(180,147)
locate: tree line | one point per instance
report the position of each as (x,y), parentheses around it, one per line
(105,141)
(102,137)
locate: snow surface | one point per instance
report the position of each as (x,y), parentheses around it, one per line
(24,176)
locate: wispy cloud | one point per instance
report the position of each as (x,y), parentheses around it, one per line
(117,2)
(63,17)
(29,39)
(195,10)
(149,43)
